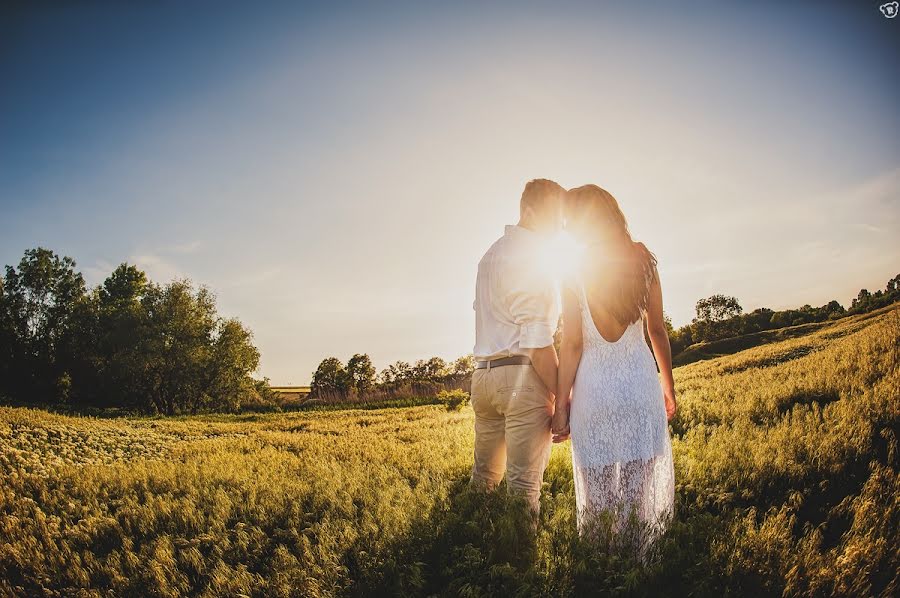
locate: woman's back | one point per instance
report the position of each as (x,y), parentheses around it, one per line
(611,402)
(620,444)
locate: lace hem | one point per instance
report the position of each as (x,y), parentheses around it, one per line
(633,500)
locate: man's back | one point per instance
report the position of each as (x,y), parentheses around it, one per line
(516,305)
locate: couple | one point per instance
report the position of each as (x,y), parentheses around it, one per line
(602,390)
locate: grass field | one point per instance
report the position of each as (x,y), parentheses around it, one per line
(786,470)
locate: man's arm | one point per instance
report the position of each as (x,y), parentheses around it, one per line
(546,364)
(569,358)
(532,303)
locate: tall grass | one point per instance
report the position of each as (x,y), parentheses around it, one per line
(786,470)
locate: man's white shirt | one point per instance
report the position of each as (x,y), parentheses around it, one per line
(516,300)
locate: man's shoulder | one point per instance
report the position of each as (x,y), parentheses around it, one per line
(497,249)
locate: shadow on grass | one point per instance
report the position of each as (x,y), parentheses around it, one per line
(479,543)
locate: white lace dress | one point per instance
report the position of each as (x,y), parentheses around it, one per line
(621,451)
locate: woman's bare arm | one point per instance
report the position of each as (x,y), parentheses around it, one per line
(569,358)
(659,339)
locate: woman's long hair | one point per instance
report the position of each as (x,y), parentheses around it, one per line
(618,271)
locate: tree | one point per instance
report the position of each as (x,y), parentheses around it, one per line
(37,307)
(833,307)
(125,286)
(118,340)
(716,318)
(396,374)
(330,377)
(126,343)
(233,358)
(463,366)
(862,299)
(717,308)
(361,372)
(893,284)
(431,370)
(191,359)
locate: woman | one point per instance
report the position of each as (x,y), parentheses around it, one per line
(618,411)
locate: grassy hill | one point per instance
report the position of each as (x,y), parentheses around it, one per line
(786,469)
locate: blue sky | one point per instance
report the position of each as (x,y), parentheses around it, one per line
(334,174)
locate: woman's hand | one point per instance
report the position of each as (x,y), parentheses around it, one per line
(559,426)
(671,406)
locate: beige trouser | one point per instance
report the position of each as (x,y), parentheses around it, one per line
(513,409)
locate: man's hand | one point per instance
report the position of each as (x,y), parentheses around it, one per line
(559,426)
(561,436)
(670,403)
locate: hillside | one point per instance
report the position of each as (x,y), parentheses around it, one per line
(786,470)
(731,345)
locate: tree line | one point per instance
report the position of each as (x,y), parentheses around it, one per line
(720,317)
(358,379)
(717,317)
(134,344)
(128,343)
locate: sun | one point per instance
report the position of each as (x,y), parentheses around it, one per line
(561,255)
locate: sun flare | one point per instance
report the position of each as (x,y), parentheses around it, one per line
(561,255)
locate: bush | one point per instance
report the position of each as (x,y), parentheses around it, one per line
(454,400)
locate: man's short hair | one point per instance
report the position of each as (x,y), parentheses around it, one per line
(539,191)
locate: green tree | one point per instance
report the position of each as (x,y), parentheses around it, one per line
(37,307)
(396,374)
(717,317)
(429,370)
(361,372)
(833,307)
(862,299)
(193,360)
(330,377)
(122,329)
(893,284)
(233,359)
(718,308)
(463,366)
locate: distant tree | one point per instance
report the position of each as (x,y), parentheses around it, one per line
(833,307)
(7,340)
(861,299)
(462,367)
(330,377)
(117,341)
(893,285)
(429,370)
(125,286)
(233,358)
(396,374)
(126,343)
(716,318)
(718,308)
(38,304)
(361,372)
(192,359)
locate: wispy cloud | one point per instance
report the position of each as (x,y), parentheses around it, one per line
(254,278)
(157,267)
(191,247)
(98,272)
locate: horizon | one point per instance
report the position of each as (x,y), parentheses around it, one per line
(334,175)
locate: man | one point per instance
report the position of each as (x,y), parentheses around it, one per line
(514,383)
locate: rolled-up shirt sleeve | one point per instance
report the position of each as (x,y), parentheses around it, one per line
(533,304)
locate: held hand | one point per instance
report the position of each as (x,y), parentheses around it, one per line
(561,436)
(560,424)
(671,406)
